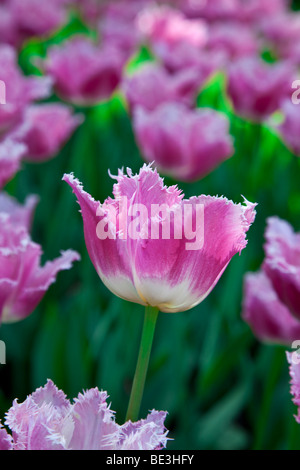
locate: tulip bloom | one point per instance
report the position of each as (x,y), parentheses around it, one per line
(234,39)
(84,73)
(152,85)
(160,272)
(177,41)
(20,90)
(257,88)
(8,28)
(45,129)
(271,296)
(184,57)
(283,32)
(289,129)
(255,10)
(282,262)
(164,27)
(117,25)
(23,282)
(246,11)
(270,320)
(47,420)
(180,141)
(23,19)
(36,18)
(174,268)
(216,10)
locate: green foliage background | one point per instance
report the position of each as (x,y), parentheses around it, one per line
(221,387)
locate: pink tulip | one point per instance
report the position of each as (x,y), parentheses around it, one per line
(282,29)
(255,10)
(163,27)
(8,28)
(117,25)
(203,62)
(90,10)
(282,262)
(282,32)
(269,318)
(45,129)
(216,10)
(20,90)
(47,420)
(289,129)
(170,35)
(153,258)
(84,73)
(247,11)
(23,282)
(152,85)
(23,19)
(36,18)
(234,39)
(257,88)
(180,141)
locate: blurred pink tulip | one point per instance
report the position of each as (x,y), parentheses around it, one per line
(216,10)
(20,89)
(24,19)
(289,129)
(202,62)
(269,319)
(257,88)
(282,262)
(45,130)
(84,73)
(117,25)
(185,144)
(152,85)
(234,39)
(23,282)
(163,27)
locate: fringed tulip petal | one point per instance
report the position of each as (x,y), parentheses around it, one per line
(146,434)
(90,411)
(37,421)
